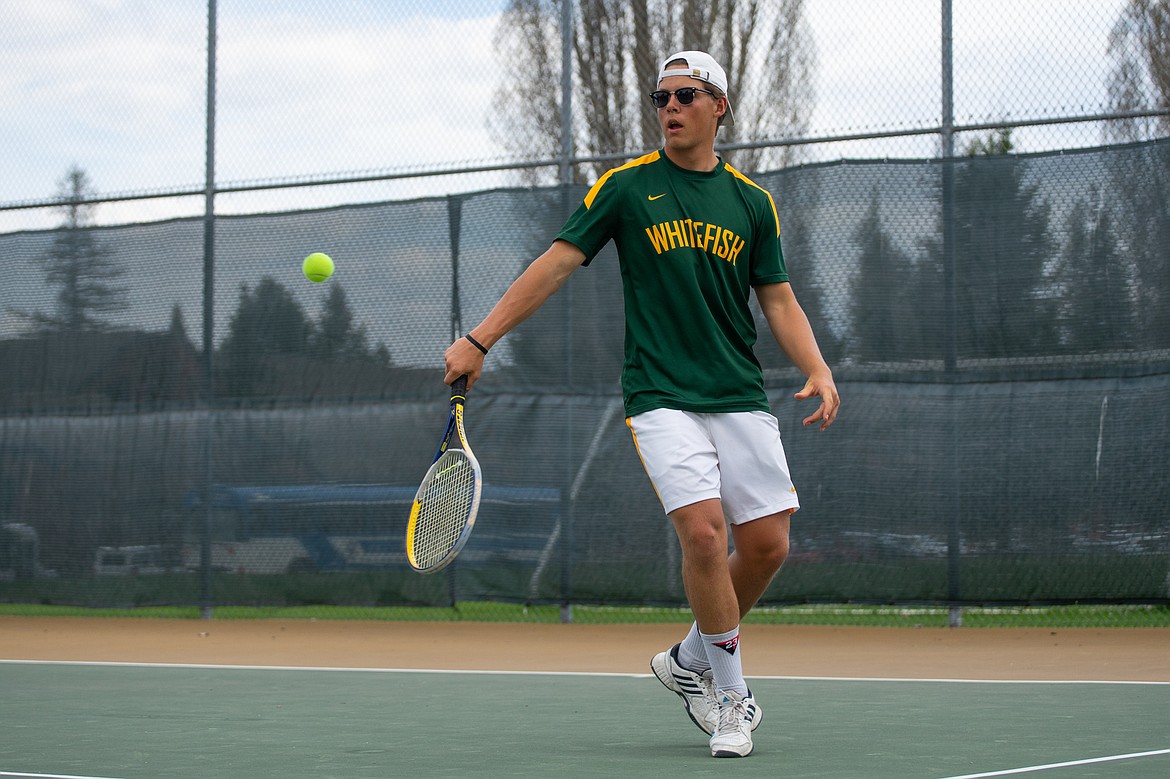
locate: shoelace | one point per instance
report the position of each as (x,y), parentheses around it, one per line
(707,685)
(731,717)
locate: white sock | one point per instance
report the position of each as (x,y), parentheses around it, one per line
(692,652)
(726,665)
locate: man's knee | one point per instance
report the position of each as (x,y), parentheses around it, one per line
(701,532)
(775,553)
(764,547)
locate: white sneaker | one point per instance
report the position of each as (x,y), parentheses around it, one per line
(738,716)
(696,690)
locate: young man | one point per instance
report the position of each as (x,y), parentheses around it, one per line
(694,237)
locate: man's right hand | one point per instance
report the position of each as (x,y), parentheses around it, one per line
(463,358)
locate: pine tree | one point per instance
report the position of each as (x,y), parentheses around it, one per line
(1139,47)
(1097,312)
(79,266)
(1005,305)
(880,327)
(337,337)
(267,322)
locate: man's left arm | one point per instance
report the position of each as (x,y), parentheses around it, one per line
(790,327)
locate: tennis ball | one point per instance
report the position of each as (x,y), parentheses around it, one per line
(317,267)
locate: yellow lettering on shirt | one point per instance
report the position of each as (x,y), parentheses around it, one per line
(657,239)
(688,233)
(709,236)
(720,247)
(697,236)
(736,246)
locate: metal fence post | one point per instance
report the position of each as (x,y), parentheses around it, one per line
(950,358)
(565,177)
(207,596)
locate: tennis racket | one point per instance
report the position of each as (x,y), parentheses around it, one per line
(447,501)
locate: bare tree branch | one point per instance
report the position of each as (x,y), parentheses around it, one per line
(765,47)
(1139,46)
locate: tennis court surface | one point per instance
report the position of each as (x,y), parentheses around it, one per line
(72,710)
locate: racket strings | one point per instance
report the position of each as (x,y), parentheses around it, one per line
(444,508)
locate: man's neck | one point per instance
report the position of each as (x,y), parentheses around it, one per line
(702,160)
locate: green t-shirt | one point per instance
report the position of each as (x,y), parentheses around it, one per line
(690,246)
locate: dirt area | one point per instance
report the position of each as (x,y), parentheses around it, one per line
(1118,654)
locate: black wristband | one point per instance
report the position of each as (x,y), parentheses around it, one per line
(476,344)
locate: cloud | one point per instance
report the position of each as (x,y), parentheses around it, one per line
(306,89)
(118,87)
(880,67)
(114,87)
(342,98)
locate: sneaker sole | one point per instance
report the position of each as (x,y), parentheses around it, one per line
(668,683)
(729,753)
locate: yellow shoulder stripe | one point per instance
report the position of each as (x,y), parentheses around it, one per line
(643,160)
(771,202)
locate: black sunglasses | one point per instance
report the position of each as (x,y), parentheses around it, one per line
(685,96)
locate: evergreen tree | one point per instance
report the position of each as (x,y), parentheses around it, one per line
(267,322)
(1142,179)
(1005,305)
(1139,47)
(576,337)
(337,336)
(80,267)
(800,260)
(880,290)
(1097,310)
(177,328)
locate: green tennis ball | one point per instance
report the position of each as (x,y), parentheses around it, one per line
(317,267)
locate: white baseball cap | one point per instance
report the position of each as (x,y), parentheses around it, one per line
(702,66)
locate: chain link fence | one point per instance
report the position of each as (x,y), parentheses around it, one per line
(323,103)
(991,454)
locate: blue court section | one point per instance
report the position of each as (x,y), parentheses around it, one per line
(150,722)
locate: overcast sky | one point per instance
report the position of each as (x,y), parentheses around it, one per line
(310,88)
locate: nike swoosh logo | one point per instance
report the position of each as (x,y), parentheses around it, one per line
(655,197)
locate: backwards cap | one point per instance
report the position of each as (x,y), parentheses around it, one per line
(702,66)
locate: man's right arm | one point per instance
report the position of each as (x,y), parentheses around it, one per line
(528,292)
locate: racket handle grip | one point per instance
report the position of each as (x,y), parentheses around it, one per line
(459,387)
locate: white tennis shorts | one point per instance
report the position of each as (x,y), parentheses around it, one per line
(736,457)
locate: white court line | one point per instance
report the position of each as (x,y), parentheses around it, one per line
(208,666)
(51,776)
(1087,761)
(947,681)
(468,671)
(338,669)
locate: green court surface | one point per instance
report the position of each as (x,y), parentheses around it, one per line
(148,722)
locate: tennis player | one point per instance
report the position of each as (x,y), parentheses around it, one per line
(694,237)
